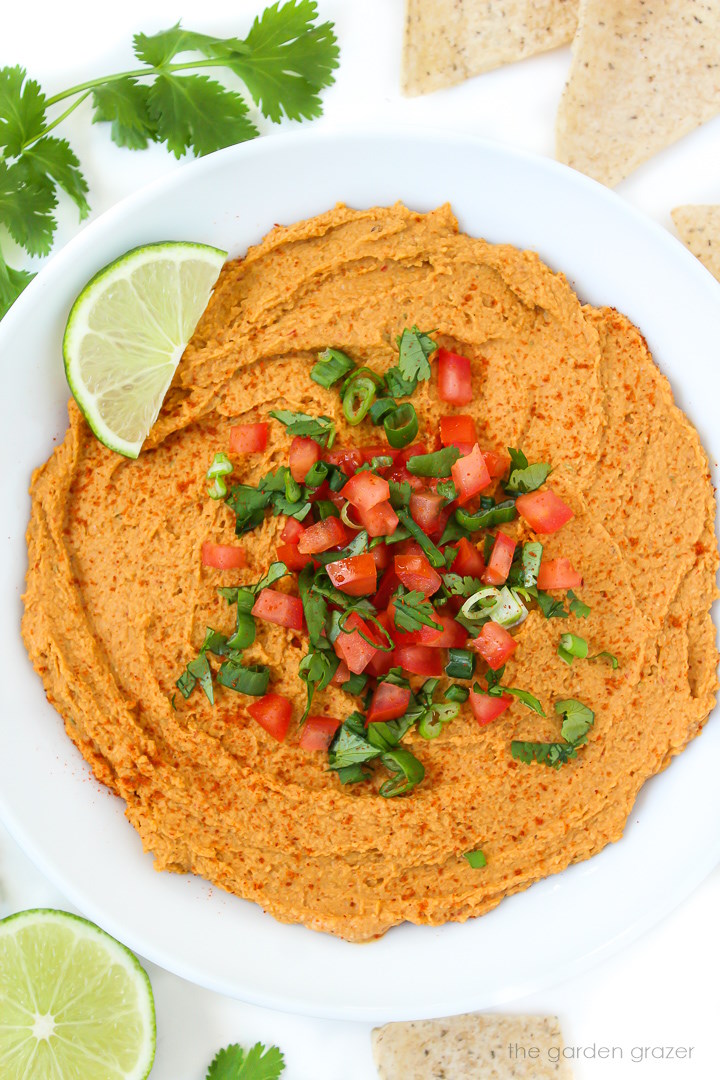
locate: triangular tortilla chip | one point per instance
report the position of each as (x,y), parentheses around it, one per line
(699,229)
(447,41)
(470,1047)
(642,75)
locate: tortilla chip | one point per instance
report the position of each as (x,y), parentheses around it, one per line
(494,1047)
(699,229)
(642,76)
(447,41)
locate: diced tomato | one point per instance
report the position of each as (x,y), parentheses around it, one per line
(303,455)
(388,585)
(494,644)
(365,490)
(345,458)
(356,576)
(558,574)
(407,547)
(279,608)
(223,556)
(378,450)
(452,635)
(415,572)
(411,451)
(425,507)
(388,703)
(322,536)
(470,475)
(318,732)
(469,561)
(457,429)
(420,660)
(381,555)
(352,648)
(248,438)
(486,709)
(400,475)
(544,511)
(292,531)
(497,464)
(272,712)
(342,674)
(290,555)
(500,561)
(379,520)
(454,378)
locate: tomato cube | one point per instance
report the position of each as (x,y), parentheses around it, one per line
(273,713)
(223,556)
(354,649)
(356,576)
(468,561)
(379,520)
(500,561)
(425,509)
(454,378)
(420,660)
(497,464)
(292,531)
(346,459)
(318,732)
(279,608)
(304,453)
(388,703)
(457,429)
(494,645)
(544,511)
(486,709)
(415,572)
(470,475)
(290,555)
(365,490)
(248,438)
(558,574)
(322,536)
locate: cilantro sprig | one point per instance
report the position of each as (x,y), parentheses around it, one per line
(285,60)
(577,721)
(257,1063)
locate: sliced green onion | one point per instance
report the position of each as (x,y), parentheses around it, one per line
(484,519)
(244,633)
(509,609)
(381,408)
(438,464)
(324,508)
(253,680)
(334,630)
(358,398)
(410,772)
(430,725)
(530,563)
(612,660)
(221,466)
(456,693)
(345,517)
(401,426)
(218,488)
(355,684)
(478,606)
(476,859)
(571,647)
(338,478)
(383,461)
(317,474)
(293,491)
(435,556)
(245,599)
(332,366)
(461,664)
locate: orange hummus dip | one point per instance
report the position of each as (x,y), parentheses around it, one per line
(118,600)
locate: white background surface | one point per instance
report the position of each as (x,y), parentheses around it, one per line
(662,991)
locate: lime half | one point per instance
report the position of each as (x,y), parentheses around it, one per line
(74,1002)
(126,333)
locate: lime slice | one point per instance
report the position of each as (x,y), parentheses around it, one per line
(126,333)
(74,1002)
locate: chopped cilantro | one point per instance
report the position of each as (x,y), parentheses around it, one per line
(577,607)
(319,428)
(257,1063)
(413,610)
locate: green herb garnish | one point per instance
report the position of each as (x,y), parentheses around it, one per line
(476,859)
(257,1063)
(412,611)
(401,426)
(577,607)
(319,428)
(332,365)
(523,476)
(438,464)
(577,721)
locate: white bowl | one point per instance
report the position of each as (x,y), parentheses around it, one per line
(76,831)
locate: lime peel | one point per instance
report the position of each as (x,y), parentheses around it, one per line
(127,332)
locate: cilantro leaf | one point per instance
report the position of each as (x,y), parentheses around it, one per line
(415,347)
(54,158)
(285,60)
(551,754)
(195,112)
(461,586)
(528,479)
(400,493)
(234,1063)
(517,458)
(413,610)
(26,208)
(551,609)
(12,283)
(22,109)
(397,385)
(319,428)
(577,607)
(125,105)
(577,720)
(159,49)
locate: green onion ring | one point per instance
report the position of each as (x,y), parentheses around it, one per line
(401,426)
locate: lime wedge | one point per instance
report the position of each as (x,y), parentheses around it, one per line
(74,1002)
(126,333)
